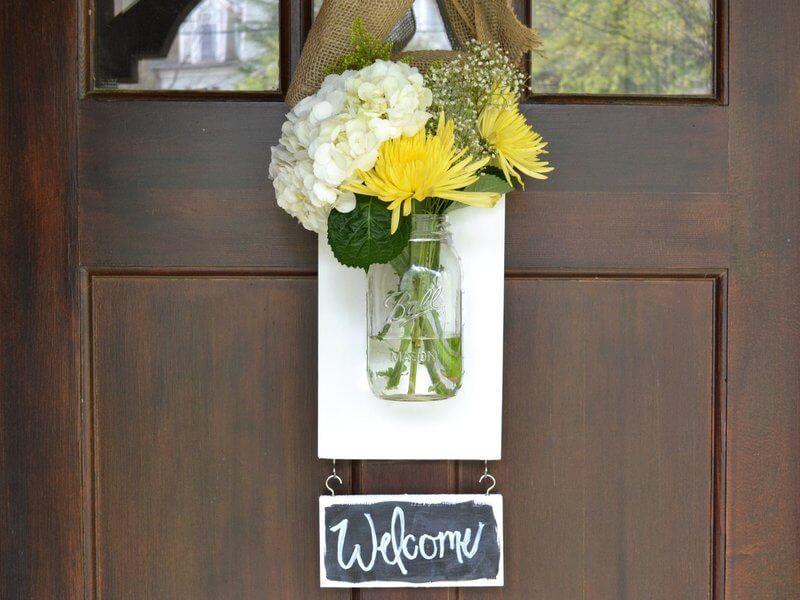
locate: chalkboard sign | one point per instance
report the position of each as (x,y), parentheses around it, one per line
(411,541)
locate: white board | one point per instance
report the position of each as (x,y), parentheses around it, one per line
(411,540)
(353,423)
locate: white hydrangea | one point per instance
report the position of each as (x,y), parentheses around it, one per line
(327,137)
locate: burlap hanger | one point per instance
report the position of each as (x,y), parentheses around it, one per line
(329,38)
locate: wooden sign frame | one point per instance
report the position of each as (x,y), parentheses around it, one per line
(439,540)
(353,423)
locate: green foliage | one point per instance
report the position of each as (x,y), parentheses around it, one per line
(489,182)
(497,172)
(261,72)
(366,50)
(659,47)
(362,237)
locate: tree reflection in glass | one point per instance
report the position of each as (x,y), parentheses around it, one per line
(653,47)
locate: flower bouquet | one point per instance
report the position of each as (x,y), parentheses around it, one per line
(376,160)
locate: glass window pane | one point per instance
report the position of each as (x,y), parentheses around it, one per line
(430,33)
(187,45)
(429,29)
(652,47)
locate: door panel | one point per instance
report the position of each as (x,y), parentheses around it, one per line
(633,148)
(609,438)
(184,184)
(630,231)
(205,482)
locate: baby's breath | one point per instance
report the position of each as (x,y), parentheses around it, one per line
(464,87)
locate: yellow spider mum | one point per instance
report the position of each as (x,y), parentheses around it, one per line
(422,166)
(516,145)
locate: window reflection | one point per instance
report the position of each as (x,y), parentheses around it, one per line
(218,45)
(594,47)
(121,5)
(627,47)
(430,32)
(429,28)
(653,47)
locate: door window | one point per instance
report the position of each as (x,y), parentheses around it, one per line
(631,48)
(626,47)
(229,45)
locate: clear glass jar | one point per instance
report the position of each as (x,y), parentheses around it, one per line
(414,317)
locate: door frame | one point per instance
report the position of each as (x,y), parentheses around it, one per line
(42,520)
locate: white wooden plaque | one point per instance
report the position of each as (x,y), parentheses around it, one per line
(353,423)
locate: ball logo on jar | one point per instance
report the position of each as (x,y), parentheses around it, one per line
(403,308)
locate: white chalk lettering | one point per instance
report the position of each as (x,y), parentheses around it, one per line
(396,546)
(341,527)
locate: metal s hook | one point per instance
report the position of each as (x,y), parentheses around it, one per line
(333,476)
(489,476)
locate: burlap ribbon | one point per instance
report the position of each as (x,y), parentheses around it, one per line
(329,38)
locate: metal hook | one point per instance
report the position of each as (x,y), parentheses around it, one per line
(487,475)
(333,476)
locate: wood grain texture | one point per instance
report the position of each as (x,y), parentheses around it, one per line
(628,148)
(192,190)
(205,474)
(596,231)
(764,362)
(638,190)
(40,494)
(189,185)
(608,439)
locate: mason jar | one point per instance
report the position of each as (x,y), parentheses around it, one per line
(414,348)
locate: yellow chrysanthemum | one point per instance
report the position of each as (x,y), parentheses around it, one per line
(422,166)
(517,147)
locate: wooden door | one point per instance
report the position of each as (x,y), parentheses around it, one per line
(157,367)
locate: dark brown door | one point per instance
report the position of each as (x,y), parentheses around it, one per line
(158,312)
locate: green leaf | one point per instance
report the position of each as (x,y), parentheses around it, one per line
(362,237)
(492,170)
(489,182)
